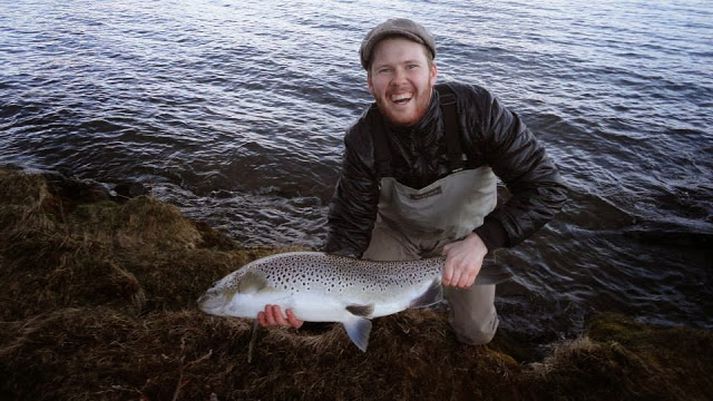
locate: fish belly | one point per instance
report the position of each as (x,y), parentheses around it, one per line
(319,308)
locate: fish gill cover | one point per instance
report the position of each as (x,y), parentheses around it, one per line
(98,302)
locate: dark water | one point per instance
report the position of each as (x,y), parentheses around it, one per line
(235,111)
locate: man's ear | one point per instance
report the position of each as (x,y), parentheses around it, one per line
(369,85)
(433,73)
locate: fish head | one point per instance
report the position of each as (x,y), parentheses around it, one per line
(239,294)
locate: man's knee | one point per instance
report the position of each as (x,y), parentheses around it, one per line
(472,314)
(476,332)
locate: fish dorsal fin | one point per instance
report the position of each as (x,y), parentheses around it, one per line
(361,310)
(358,330)
(251,282)
(432,295)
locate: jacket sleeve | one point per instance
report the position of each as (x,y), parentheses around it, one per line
(352,211)
(521,162)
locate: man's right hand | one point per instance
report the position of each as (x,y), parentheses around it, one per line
(273,316)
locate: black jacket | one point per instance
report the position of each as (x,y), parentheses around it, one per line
(490,135)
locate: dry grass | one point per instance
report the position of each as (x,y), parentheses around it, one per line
(98,302)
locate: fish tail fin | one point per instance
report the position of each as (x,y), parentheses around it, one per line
(432,295)
(358,330)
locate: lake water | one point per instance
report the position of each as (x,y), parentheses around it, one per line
(235,112)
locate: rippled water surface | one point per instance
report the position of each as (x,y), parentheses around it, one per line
(235,111)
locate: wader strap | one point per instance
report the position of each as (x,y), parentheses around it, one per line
(451,127)
(382,151)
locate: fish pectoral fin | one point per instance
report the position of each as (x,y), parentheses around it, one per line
(492,278)
(251,283)
(432,295)
(361,310)
(358,330)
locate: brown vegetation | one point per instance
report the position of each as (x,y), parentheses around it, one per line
(98,303)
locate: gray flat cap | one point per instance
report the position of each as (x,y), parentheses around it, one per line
(395,27)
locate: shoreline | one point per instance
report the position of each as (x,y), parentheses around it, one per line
(99,302)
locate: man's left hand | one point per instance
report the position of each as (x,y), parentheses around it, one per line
(464,259)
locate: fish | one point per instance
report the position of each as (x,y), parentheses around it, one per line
(321,287)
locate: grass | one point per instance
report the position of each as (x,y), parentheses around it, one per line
(98,302)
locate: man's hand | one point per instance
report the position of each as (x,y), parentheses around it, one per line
(463,261)
(272,316)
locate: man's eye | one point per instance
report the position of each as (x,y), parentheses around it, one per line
(384,70)
(412,66)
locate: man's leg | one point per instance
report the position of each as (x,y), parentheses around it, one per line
(472,313)
(388,245)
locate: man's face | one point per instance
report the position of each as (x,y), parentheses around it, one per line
(401,80)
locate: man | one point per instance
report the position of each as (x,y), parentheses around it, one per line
(419,178)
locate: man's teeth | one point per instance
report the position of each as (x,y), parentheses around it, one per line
(401,98)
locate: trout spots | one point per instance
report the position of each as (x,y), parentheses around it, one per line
(317,272)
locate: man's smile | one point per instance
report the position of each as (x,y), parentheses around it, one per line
(402,98)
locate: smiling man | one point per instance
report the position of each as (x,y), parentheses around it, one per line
(419,178)
(402,79)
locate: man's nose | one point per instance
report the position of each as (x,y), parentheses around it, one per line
(399,76)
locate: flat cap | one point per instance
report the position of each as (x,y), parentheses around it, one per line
(395,27)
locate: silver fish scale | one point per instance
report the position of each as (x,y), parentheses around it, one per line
(299,271)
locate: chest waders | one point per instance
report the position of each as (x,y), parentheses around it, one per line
(416,223)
